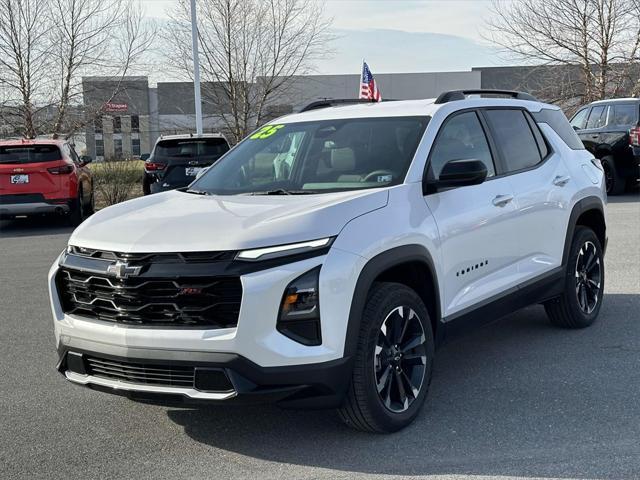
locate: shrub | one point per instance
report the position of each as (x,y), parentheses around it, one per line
(116,181)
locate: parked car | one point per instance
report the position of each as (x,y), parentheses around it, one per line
(176,160)
(610,129)
(322,261)
(44,177)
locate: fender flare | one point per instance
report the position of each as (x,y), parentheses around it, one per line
(372,269)
(583,205)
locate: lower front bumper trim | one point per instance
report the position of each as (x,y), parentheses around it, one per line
(135,387)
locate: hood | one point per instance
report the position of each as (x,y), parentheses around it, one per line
(182,222)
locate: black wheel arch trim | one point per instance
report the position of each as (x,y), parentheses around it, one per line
(373,268)
(582,206)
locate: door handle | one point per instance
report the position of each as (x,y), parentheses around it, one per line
(502,200)
(594,136)
(561,180)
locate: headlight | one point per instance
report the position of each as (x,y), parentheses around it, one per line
(284,250)
(299,317)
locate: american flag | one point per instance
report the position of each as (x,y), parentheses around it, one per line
(368,87)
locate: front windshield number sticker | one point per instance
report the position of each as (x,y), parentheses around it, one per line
(384,178)
(266,132)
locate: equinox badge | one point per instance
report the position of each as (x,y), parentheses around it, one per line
(122,269)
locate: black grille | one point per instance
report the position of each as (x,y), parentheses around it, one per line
(174,376)
(212,302)
(148,258)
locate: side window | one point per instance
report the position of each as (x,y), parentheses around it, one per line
(597,117)
(624,115)
(579,120)
(461,137)
(558,122)
(515,139)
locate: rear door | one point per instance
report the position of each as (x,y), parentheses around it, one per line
(23,169)
(479,248)
(542,187)
(622,118)
(596,120)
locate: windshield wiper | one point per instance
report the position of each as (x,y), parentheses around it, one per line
(197,192)
(282,191)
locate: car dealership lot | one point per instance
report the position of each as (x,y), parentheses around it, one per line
(516,398)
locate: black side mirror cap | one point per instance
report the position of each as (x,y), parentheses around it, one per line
(84,159)
(460,173)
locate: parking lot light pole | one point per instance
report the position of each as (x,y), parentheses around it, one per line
(196,68)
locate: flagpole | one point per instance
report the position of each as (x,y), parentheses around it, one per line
(360,79)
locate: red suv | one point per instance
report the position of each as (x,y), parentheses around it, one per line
(44,176)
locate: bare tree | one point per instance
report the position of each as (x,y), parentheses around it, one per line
(46,46)
(24,55)
(107,37)
(249,52)
(600,38)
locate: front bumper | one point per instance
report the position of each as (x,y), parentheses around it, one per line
(321,385)
(261,363)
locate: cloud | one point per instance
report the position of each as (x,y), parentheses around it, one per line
(389,51)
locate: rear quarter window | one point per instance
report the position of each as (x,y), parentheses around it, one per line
(29,153)
(559,123)
(624,115)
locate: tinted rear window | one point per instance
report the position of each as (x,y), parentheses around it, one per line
(559,123)
(29,153)
(624,115)
(515,138)
(201,148)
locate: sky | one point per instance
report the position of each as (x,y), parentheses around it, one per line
(398,35)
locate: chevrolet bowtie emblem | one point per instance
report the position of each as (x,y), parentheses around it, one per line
(122,270)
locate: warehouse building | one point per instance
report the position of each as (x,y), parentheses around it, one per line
(129,115)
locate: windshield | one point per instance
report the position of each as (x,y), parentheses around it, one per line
(190,149)
(29,154)
(317,157)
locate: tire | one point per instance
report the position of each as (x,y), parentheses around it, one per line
(77,213)
(146,184)
(364,408)
(90,209)
(568,310)
(614,182)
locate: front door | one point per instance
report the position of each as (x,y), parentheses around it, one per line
(479,248)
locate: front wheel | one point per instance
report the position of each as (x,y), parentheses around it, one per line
(579,305)
(393,362)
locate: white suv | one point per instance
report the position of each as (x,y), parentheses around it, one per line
(321,261)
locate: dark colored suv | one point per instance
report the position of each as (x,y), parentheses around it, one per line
(610,129)
(177,159)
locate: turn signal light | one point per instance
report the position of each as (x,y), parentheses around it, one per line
(634,136)
(299,317)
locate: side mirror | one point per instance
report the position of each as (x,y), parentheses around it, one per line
(145,156)
(84,159)
(461,173)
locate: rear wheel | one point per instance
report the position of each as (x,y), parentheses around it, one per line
(393,363)
(614,182)
(77,213)
(579,305)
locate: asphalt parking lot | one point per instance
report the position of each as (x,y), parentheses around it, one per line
(517,398)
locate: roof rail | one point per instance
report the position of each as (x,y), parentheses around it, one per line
(331,102)
(454,95)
